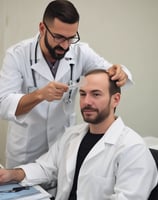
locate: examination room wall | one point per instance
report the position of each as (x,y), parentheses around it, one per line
(122,31)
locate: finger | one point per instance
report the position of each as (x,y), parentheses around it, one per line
(59,92)
(121,82)
(61,86)
(111,71)
(58,96)
(116,76)
(119,76)
(114,70)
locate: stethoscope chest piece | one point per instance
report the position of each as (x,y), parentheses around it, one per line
(67,101)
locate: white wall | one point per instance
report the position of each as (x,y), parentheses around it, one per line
(122,31)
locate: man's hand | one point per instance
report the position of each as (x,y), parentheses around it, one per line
(116,73)
(8,175)
(53,91)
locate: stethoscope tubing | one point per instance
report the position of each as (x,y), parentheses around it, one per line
(33,72)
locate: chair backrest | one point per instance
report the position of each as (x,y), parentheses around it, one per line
(154,193)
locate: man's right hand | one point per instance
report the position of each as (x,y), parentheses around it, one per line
(8,175)
(53,91)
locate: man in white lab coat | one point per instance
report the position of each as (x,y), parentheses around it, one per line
(99,160)
(34,80)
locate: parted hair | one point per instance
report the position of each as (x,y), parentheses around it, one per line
(64,10)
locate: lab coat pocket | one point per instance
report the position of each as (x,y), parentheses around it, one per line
(97,187)
(104,184)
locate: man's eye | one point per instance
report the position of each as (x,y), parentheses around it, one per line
(59,37)
(82,94)
(96,94)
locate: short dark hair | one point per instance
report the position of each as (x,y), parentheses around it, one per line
(113,88)
(64,10)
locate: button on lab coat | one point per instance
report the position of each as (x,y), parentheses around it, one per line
(31,134)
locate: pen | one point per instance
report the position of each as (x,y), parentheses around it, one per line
(16,189)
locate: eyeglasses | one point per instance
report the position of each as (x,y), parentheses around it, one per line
(60,38)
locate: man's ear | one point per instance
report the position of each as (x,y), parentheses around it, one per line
(116,99)
(41,28)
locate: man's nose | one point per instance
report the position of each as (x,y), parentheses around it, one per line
(65,44)
(87,99)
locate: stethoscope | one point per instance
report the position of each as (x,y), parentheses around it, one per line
(70,83)
(35,61)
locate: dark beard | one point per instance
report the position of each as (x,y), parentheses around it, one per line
(99,118)
(52,50)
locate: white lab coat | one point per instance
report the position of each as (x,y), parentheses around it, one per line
(118,167)
(31,135)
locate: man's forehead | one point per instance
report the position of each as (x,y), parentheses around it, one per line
(94,83)
(98,79)
(94,86)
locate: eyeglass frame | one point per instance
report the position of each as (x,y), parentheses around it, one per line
(63,38)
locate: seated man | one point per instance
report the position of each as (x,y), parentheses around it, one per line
(99,160)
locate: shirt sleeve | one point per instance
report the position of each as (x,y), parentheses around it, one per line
(44,170)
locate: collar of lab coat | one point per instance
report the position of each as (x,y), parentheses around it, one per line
(110,137)
(43,70)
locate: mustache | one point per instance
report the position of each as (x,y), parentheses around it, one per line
(58,47)
(88,108)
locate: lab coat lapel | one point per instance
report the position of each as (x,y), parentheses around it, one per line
(42,68)
(99,147)
(64,67)
(39,64)
(111,137)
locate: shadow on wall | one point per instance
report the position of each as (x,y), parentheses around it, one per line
(3,133)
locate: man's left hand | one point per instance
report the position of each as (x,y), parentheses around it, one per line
(116,73)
